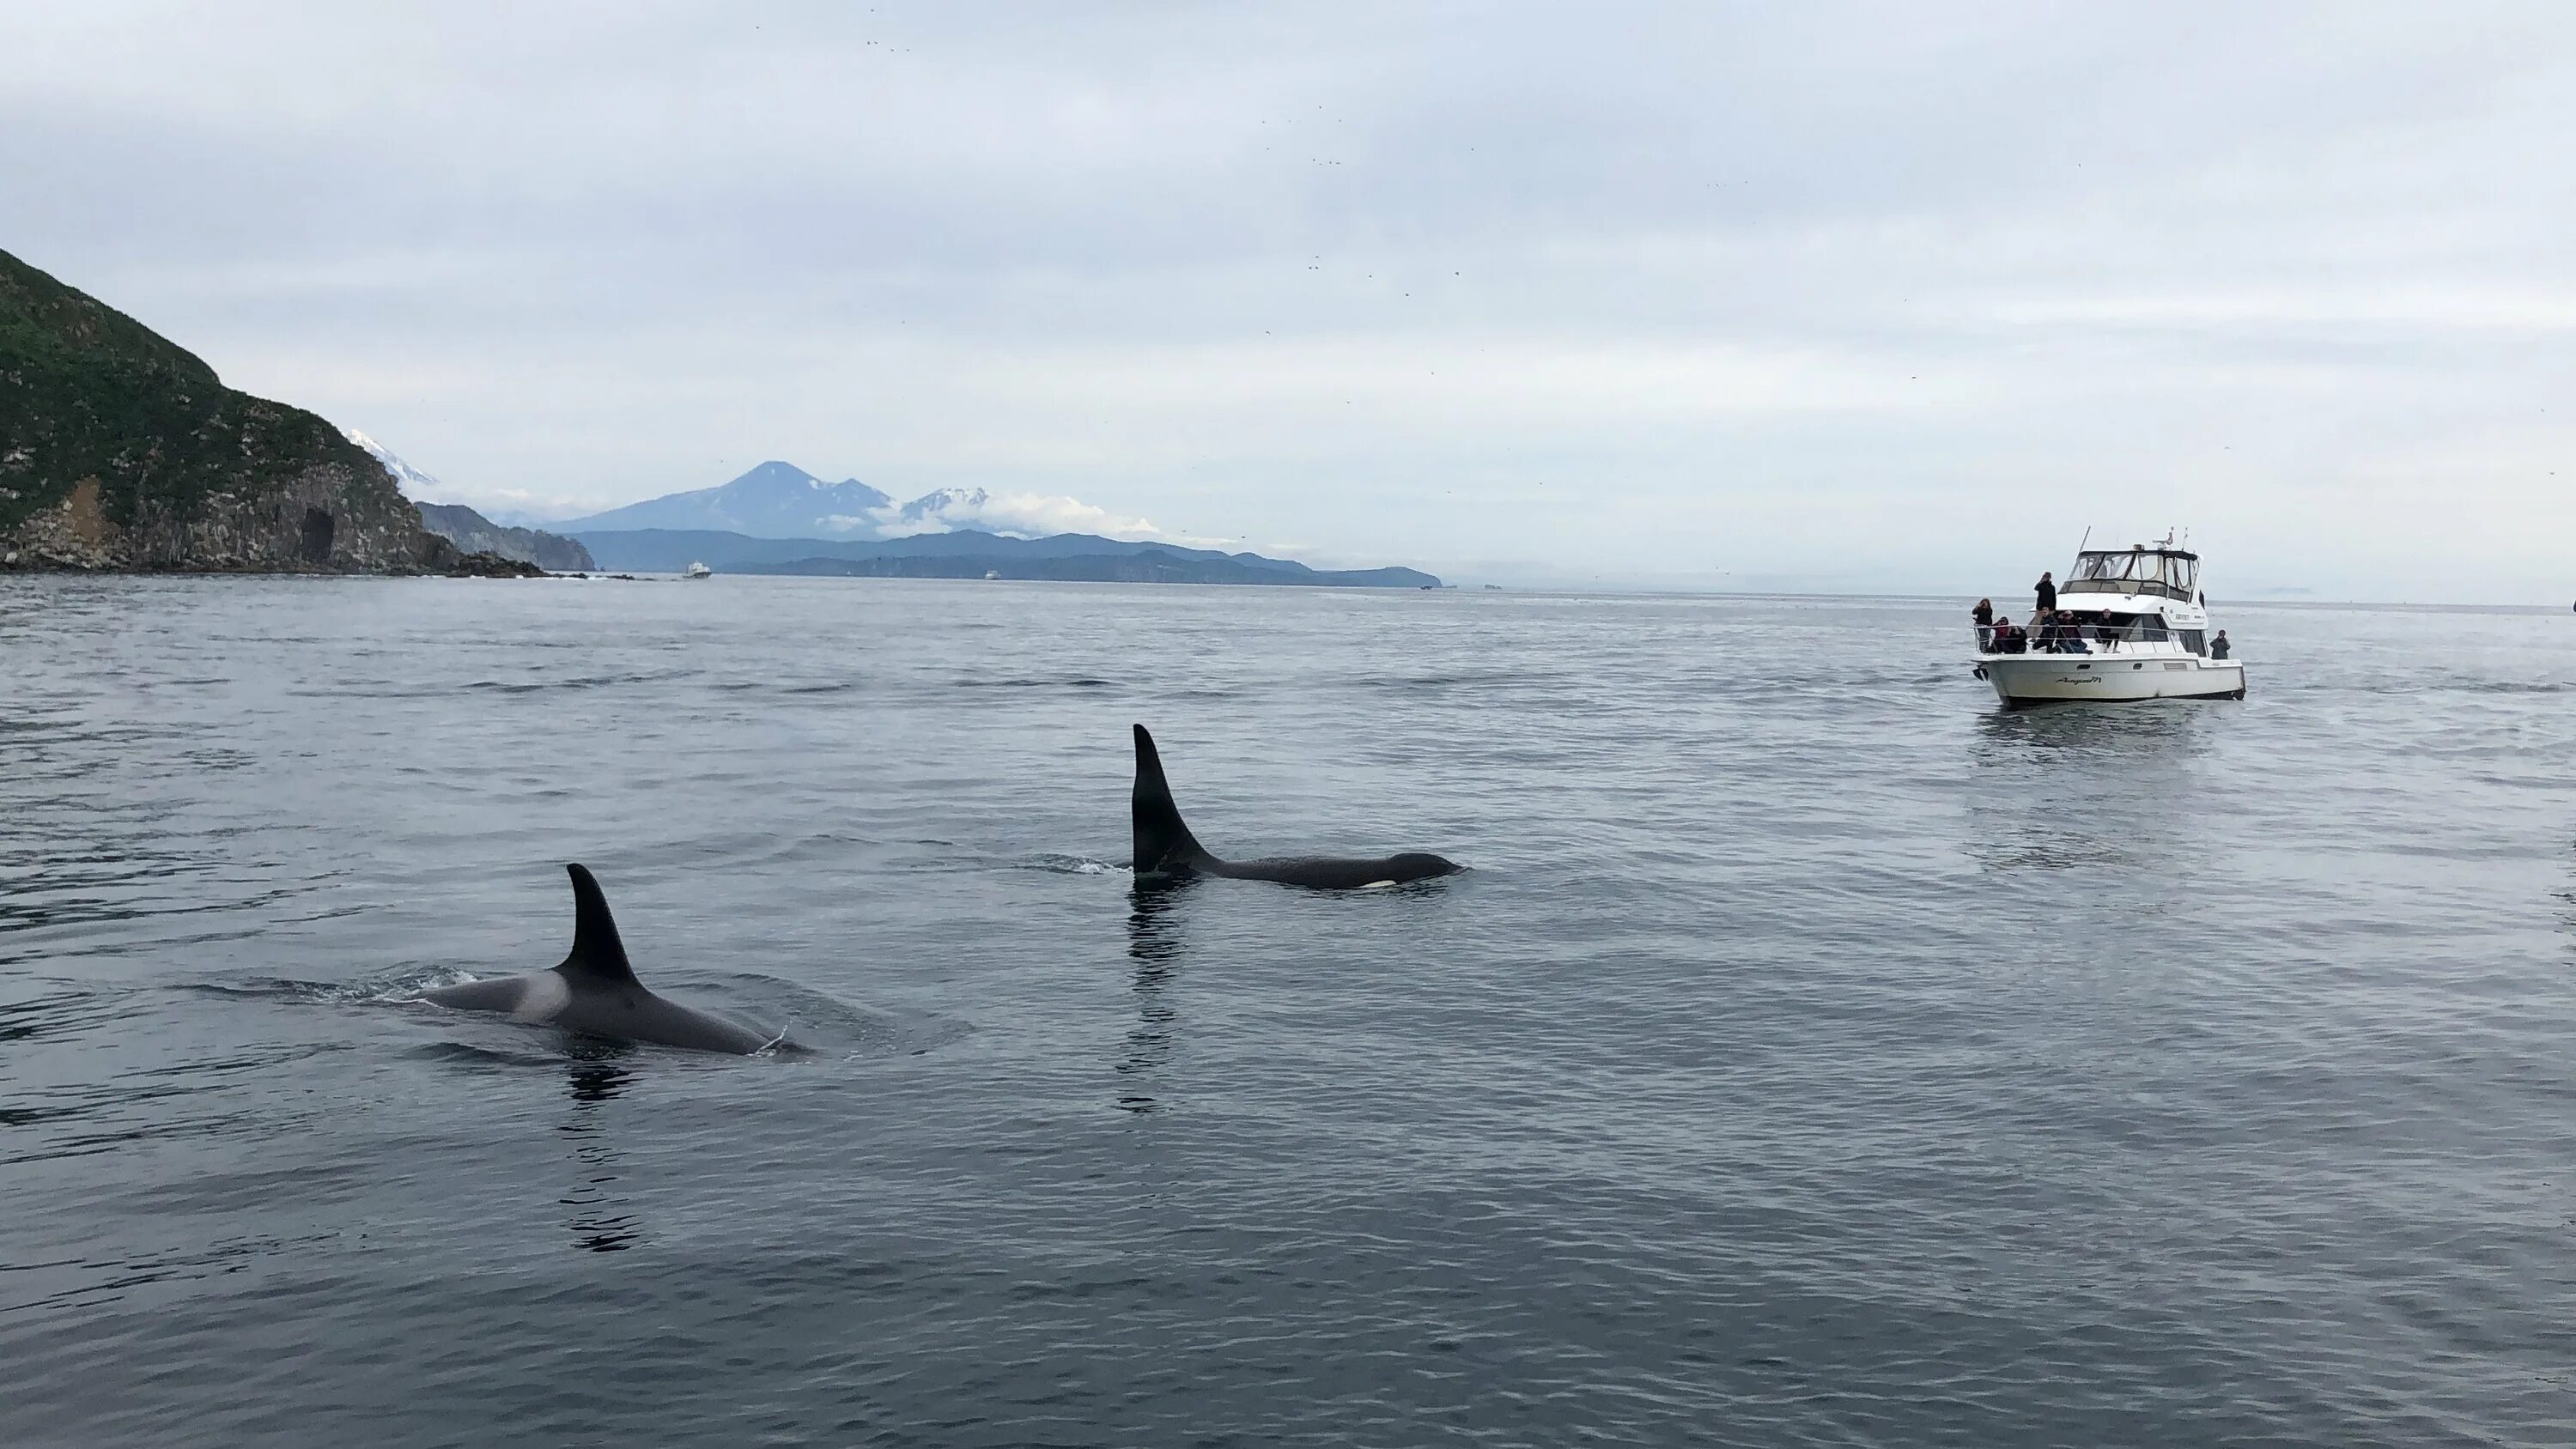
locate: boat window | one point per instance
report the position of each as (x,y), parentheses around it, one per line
(2158,573)
(2194,640)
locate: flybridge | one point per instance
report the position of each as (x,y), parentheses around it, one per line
(2162,572)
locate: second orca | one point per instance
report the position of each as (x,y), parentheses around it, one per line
(1165,849)
(595,993)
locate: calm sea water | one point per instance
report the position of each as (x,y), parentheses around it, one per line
(1814,1054)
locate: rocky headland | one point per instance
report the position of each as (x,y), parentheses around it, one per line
(473,533)
(120,450)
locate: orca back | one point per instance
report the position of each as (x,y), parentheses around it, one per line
(594,991)
(1338,873)
(1165,847)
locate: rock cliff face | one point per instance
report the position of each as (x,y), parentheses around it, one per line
(121,450)
(473,533)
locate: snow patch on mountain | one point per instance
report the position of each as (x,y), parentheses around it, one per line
(508,507)
(415,484)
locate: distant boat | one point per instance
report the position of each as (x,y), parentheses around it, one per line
(698,571)
(992,573)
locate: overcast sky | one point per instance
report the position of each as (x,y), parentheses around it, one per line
(1734,296)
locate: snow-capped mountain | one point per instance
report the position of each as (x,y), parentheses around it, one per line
(780,500)
(774,500)
(944,508)
(415,484)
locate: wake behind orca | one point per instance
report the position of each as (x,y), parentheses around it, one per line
(1165,849)
(595,993)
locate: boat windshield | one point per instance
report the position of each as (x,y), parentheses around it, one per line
(2163,572)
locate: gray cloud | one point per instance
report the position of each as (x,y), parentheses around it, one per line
(1892,294)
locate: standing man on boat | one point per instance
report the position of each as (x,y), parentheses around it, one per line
(2046,588)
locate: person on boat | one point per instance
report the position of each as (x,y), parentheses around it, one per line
(2009,640)
(2218,646)
(1984,613)
(2046,588)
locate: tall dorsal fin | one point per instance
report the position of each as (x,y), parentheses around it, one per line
(1163,842)
(597,954)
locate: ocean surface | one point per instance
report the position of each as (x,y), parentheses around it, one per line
(1814,1054)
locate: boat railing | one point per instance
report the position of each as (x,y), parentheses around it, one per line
(2084,639)
(2149,588)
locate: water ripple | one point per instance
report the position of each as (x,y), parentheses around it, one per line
(1816,1055)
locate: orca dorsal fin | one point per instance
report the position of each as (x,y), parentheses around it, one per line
(597,954)
(1163,842)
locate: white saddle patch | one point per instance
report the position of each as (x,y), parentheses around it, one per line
(545,997)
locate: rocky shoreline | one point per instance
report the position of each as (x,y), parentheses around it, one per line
(264,536)
(122,452)
(465,566)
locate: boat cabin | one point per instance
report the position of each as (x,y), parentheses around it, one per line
(2142,598)
(2162,573)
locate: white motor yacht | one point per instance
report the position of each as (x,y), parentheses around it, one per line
(2130,624)
(698,571)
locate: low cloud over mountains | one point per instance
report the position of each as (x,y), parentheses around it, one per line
(1025,515)
(781,500)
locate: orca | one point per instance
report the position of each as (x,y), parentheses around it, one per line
(595,993)
(1166,851)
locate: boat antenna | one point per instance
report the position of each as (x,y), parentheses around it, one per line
(2088,538)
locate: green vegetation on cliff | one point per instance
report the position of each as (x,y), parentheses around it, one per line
(187,473)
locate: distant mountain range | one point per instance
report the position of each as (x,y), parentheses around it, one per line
(781,500)
(971,554)
(774,500)
(780,519)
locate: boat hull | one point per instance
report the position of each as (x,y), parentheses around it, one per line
(2049,678)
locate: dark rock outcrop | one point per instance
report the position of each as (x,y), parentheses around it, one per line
(471,531)
(484,566)
(121,450)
